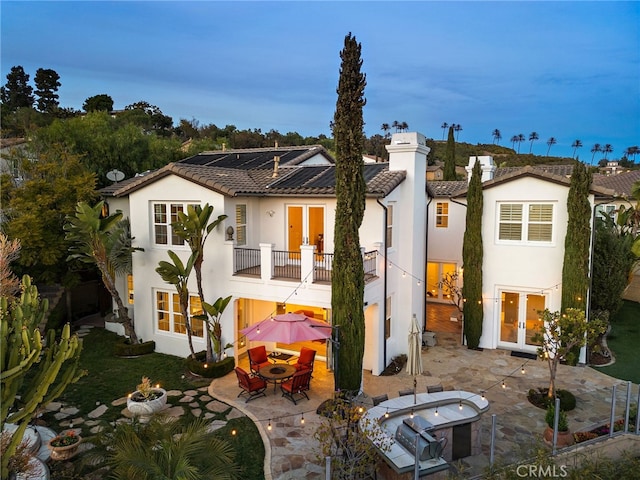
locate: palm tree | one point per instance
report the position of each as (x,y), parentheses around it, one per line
(533,136)
(106,243)
(194,228)
(458,129)
(521,138)
(595,149)
(396,125)
(575,145)
(404,126)
(552,141)
(607,149)
(166,449)
(513,141)
(177,274)
(444,127)
(497,136)
(385,128)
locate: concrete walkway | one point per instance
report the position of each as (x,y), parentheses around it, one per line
(632,292)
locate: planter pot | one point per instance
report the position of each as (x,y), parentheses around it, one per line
(66,452)
(146,407)
(565,439)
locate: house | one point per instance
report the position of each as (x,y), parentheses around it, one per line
(273,253)
(10,150)
(523,232)
(622,185)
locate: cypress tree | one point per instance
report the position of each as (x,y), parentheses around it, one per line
(472,253)
(347,286)
(575,270)
(450,158)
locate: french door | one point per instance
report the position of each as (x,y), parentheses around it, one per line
(305,227)
(519,320)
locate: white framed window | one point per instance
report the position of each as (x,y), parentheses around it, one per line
(169,316)
(389,239)
(525,222)
(442,214)
(164,214)
(241,224)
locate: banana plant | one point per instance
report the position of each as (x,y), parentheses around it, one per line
(214,327)
(177,274)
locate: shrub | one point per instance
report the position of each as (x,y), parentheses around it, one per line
(124,349)
(540,399)
(563,424)
(219,369)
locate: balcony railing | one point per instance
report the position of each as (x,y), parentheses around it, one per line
(306,264)
(247,261)
(286,264)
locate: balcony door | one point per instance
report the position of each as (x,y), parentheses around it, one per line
(519,320)
(305,227)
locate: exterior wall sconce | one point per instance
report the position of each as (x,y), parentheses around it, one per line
(271,213)
(229,232)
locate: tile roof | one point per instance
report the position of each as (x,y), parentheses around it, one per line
(554,173)
(257,158)
(315,180)
(620,183)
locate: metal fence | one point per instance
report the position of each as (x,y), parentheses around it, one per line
(286,264)
(247,261)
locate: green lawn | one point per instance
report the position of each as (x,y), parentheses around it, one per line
(624,341)
(110,377)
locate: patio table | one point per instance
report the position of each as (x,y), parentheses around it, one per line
(276,373)
(282,357)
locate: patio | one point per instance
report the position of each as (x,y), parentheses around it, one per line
(292,452)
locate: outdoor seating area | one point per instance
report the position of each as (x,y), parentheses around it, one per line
(275,368)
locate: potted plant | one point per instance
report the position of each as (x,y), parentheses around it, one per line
(565,438)
(147,399)
(65,445)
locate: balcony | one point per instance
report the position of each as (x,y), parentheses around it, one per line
(270,264)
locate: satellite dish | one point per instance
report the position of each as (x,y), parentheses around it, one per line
(115,175)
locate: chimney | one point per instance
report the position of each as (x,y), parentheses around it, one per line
(276,164)
(487,166)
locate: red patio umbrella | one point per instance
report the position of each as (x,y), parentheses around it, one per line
(288,328)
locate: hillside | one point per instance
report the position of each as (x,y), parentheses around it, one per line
(503,156)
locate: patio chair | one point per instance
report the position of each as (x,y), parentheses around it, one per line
(434,388)
(306,359)
(408,391)
(379,399)
(257,358)
(296,385)
(254,387)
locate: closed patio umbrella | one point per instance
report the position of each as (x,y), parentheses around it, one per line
(288,328)
(414,358)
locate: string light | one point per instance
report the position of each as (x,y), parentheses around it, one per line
(482,396)
(411,414)
(503,384)
(460,404)
(522,370)
(436,412)
(386,414)
(269,425)
(302,420)
(233,432)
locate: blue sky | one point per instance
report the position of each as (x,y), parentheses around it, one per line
(569,70)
